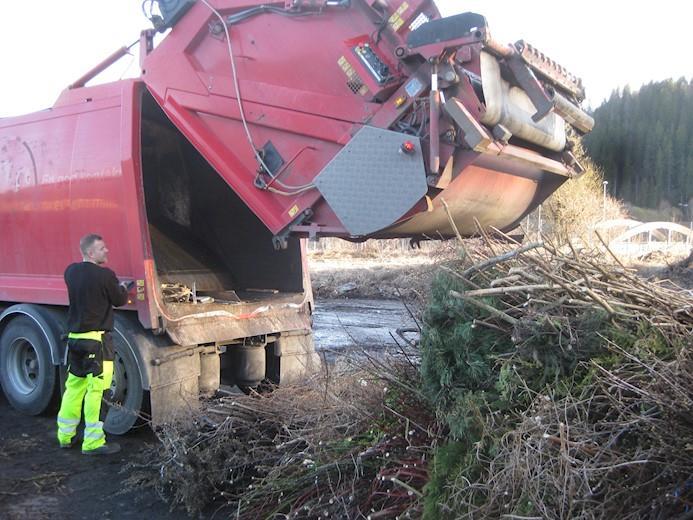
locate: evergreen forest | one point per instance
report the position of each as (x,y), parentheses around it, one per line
(643,141)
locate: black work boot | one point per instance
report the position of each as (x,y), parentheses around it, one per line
(106,449)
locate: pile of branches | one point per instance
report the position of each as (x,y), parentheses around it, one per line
(565,284)
(552,383)
(566,382)
(351,444)
(621,448)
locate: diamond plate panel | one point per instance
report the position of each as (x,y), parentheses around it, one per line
(370,184)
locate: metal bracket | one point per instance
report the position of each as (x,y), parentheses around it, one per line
(209,349)
(530,84)
(280,241)
(448,29)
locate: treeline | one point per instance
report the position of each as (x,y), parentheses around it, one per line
(643,141)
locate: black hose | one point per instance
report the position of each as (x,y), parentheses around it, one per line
(261,9)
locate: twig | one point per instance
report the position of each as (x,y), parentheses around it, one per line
(407,487)
(488,308)
(505,290)
(501,258)
(453,225)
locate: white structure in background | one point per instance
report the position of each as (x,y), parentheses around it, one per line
(634,238)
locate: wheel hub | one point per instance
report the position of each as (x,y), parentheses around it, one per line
(119,385)
(24,367)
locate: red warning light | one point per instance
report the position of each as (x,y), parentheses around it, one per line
(408,147)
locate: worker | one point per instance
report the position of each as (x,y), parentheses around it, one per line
(93,291)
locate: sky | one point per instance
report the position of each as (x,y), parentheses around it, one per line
(47,44)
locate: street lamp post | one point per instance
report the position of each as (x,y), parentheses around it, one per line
(604,184)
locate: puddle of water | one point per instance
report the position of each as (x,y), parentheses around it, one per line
(358,323)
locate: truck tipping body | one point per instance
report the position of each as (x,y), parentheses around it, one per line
(329,94)
(255,125)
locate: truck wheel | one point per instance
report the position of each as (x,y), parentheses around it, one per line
(126,394)
(27,375)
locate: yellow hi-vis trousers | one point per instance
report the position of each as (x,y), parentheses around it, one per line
(86,391)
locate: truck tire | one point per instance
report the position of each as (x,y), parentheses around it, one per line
(28,377)
(127,393)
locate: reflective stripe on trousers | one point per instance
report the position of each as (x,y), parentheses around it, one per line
(94,432)
(86,391)
(67,427)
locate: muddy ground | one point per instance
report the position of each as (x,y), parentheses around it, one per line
(393,276)
(38,480)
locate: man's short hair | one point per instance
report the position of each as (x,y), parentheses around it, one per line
(87,241)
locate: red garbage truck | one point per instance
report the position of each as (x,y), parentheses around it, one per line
(254,125)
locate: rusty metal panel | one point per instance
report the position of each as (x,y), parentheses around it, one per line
(190,324)
(494,190)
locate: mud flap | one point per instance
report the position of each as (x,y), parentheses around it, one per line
(174,388)
(297,357)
